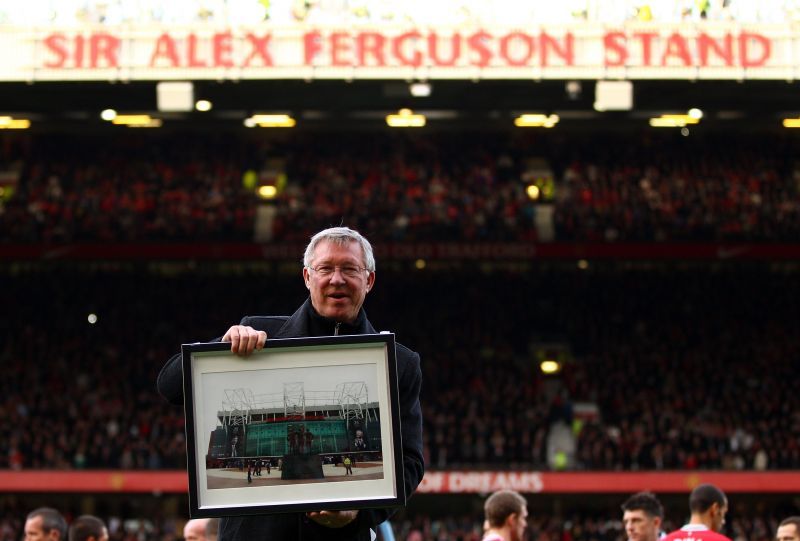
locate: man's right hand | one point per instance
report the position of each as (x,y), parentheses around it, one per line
(244,340)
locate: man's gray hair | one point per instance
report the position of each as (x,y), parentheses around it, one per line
(341,236)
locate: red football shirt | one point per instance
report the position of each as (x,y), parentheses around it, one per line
(695,532)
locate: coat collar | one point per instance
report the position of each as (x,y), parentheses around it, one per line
(299,324)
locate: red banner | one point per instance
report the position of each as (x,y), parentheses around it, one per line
(94,481)
(449,482)
(606,482)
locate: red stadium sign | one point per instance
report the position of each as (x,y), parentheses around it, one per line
(606,482)
(593,51)
(448,482)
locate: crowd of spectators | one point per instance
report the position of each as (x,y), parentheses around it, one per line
(454,188)
(688,369)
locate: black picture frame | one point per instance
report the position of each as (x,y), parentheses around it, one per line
(303,406)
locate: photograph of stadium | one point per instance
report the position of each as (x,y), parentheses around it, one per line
(320,429)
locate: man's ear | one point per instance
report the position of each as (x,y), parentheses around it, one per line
(370,281)
(511,520)
(306,278)
(657,522)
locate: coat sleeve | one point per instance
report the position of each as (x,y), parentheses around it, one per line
(410,384)
(170,380)
(411,419)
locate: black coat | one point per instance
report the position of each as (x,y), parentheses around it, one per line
(306,322)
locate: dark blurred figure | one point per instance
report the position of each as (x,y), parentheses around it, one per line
(88,528)
(708,505)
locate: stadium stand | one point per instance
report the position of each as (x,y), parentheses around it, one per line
(426,188)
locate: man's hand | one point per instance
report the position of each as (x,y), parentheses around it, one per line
(333,519)
(244,340)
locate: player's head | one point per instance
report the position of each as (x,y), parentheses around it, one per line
(88,528)
(709,503)
(508,510)
(642,515)
(45,524)
(788,529)
(195,529)
(339,271)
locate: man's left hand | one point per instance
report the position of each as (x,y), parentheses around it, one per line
(333,519)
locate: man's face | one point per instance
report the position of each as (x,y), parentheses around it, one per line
(520,523)
(718,516)
(787,532)
(195,530)
(640,526)
(338,295)
(34,531)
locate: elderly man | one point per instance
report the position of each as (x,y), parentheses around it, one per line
(339,272)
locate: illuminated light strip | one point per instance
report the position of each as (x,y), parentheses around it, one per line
(406,119)
(271,121)
(532,120)
(11,123)
(791,122)
(673,121)
(131,120)
(154,123)
(684,118)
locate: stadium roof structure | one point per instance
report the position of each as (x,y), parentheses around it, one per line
(349,400)
(363,104)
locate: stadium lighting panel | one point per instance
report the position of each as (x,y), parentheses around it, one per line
(10,123)
(536,120)
(270,121)
(175,96)
(137,121)
(673,121)
(405,118)
(550,366)
(420,90)
(613,96)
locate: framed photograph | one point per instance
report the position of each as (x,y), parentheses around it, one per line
(306,424)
